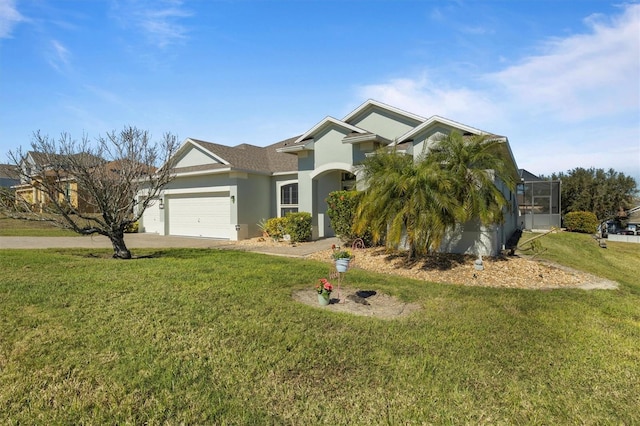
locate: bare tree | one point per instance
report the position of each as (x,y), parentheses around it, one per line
(94,188)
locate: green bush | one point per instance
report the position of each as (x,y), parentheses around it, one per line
(298,226)
(341,212)
(275,227)
(585,222)
(342,205)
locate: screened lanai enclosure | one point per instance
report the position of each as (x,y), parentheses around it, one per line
(538,202)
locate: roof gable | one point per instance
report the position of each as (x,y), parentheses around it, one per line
(328,122)
(372,106)
(193,153)
(435,121)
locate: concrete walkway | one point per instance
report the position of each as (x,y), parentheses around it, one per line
(138,241)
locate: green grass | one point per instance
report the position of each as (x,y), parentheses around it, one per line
(214,337)
(29,228)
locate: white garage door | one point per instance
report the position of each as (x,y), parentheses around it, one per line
(151,219)
(200,215)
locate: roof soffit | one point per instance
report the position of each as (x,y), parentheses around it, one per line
(363,138)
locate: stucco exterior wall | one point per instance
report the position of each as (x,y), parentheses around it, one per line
(198,183)
(471,238)
(195,157)
(253,202)
(384,123)
(328,147)
(424,140)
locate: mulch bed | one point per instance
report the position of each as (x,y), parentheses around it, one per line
(501,272)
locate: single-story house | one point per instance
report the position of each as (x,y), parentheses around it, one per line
(223,192)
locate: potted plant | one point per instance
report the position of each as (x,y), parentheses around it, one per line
(324,289)
(342,259)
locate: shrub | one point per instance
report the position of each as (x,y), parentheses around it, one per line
(298,226)
(342,205)
(275,227)
(585,222)
(341,211)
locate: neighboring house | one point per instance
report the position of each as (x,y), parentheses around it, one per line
(539,202)
(222,192)
(625,229)
(36,167)
(8,175)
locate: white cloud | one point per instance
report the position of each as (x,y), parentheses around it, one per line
(576,104)
(59,55)
(9,17)
(426,97)
(158,20)
(583,76)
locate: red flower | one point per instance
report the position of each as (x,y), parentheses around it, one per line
(324,286)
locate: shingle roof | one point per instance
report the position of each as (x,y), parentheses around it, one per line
(248,157)
(281,162)
(46,160)
(9,171)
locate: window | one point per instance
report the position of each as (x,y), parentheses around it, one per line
(288,199)
(348,181)
(67,193)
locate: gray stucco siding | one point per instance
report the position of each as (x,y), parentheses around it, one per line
(305,193)
(361,150)
(195,157)
(329,147)
(385,124)
(253,203)
(424,140)
(200,182)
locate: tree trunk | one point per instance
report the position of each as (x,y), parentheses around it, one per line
(120,250)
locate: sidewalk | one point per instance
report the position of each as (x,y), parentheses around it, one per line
(138,241)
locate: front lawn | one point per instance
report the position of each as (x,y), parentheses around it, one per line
(214,337)
(31,228)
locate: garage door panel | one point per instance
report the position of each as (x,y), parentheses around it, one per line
(200,215)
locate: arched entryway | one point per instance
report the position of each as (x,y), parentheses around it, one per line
(337,178)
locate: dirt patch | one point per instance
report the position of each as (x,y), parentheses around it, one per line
(369,303)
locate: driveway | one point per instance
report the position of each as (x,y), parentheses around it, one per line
(137,241)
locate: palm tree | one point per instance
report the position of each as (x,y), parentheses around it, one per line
(453,182)
(405,199)
(474,164)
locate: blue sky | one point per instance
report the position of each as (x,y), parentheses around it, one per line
(559,78)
